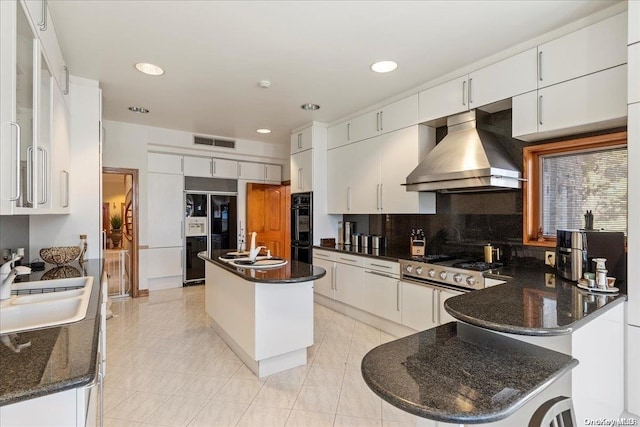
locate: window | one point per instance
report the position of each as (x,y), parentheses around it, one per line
(565,179)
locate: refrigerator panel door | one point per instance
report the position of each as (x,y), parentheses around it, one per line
(194,270)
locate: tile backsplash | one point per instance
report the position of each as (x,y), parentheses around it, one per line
(14,233)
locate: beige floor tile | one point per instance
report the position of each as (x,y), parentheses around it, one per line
(320,376)
(245,373)
(279,395)
(162,382)
(114,396)
(353,377)
(137,407)
(201,386)
(309,419)
(359,402)
(318,399)
(176,411)
(220,367)
(346,421)
(239,391)
(264,416)
(219,414)
(294,376)
(114,422)
(391,413)
(330,358)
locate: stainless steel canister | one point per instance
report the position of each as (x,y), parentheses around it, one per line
(378,242)
(356,240)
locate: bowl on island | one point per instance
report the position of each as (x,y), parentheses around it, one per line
(59,255)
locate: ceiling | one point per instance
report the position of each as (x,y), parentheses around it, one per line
(215,53)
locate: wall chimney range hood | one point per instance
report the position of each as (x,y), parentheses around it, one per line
(466,160)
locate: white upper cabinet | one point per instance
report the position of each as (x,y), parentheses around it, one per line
(597,47)
(273,173)
(198,166)
(61,157)
(339,135)
(251,171)
(596,101)
(397,115)
(365,176)
(224,168)
(502,80)
(339,180)
(634,22)
(302,172)
(444,100)
(166,210)
(634,73)
(302,140)
(165,163)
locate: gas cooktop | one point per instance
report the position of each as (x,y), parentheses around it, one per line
(446,270)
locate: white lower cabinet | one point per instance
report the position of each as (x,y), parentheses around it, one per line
(349,281)
(382,295)
(325,285)
(423,306)
(165,207)
(633,369)
(443,295)
(596,101)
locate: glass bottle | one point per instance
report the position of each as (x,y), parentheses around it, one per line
(83,248)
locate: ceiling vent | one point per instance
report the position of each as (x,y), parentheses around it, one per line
(212,142)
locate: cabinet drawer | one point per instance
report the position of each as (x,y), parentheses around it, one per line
(326,255)
(384,266)
(350,259)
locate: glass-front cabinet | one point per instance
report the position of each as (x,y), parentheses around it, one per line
(26,127)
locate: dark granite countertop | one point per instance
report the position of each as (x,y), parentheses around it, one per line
(533,301)
(457,373)
(60,357)
(292,272)
(384,253)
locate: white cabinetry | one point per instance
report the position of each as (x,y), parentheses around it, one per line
(325,285)
(423,305)
(61,155)
(198,166)
(588,103)
(634,73)
(365,176)
(302,171)
(272,174)
(165,163)
(382,288)
(302,140)
(634,23)
(224,168)
(349,280)
(251,171)
(588,50)
(444,100)
(339,135)
(392,117)
(339,180)
(165,204)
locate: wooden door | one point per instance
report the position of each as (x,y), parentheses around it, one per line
(268,213)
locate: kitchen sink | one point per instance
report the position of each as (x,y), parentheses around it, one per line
(45,303)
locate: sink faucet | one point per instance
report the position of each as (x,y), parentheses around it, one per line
(7,273)
(254,251)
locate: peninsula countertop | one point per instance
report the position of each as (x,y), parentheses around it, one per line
(457,373)
(533,301)
(36,370)
(292,272)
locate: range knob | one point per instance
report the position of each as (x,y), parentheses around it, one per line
(432,272)
(457,277)
(443,274)
(471,280)
(409,268)
(419,270)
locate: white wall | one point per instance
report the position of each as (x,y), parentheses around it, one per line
(85,177)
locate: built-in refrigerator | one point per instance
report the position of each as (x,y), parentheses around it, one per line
(210,222)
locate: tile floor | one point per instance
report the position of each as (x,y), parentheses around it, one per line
(165,367)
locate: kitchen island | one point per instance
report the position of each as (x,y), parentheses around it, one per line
(486,376)
(264,314)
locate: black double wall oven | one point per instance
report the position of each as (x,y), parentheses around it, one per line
(302,226)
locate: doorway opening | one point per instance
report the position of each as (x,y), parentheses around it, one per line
(120,213)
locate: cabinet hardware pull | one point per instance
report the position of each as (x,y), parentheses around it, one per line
(265,172)
(439,319)
(17,165)
(299,141)
(377,273)
(30,174)
(381,197)
(181,229)
(66,187)
(239,170)
(66,81)
(433,307)
(380,265)
(349,198)
(381,121)
(378,122)
(464,89)
(300,178)
(348,131)
(43,24)
(182,164)
(470,91)
(322,255)
(349,259)
(378,197)
(540,65)
(540,109)
(398,295)
(43,178)
(211,172)
(335,277)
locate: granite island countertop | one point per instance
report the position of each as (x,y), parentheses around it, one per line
(292,272)
(456,373)
(37,370)
(533,301)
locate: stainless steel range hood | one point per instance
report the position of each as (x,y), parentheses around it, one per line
(466,160)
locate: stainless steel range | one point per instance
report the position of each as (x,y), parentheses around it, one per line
(445,270)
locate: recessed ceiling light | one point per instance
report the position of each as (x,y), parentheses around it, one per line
(310,107)
(384,66)
(263,130)
(150,69)
(138,110)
